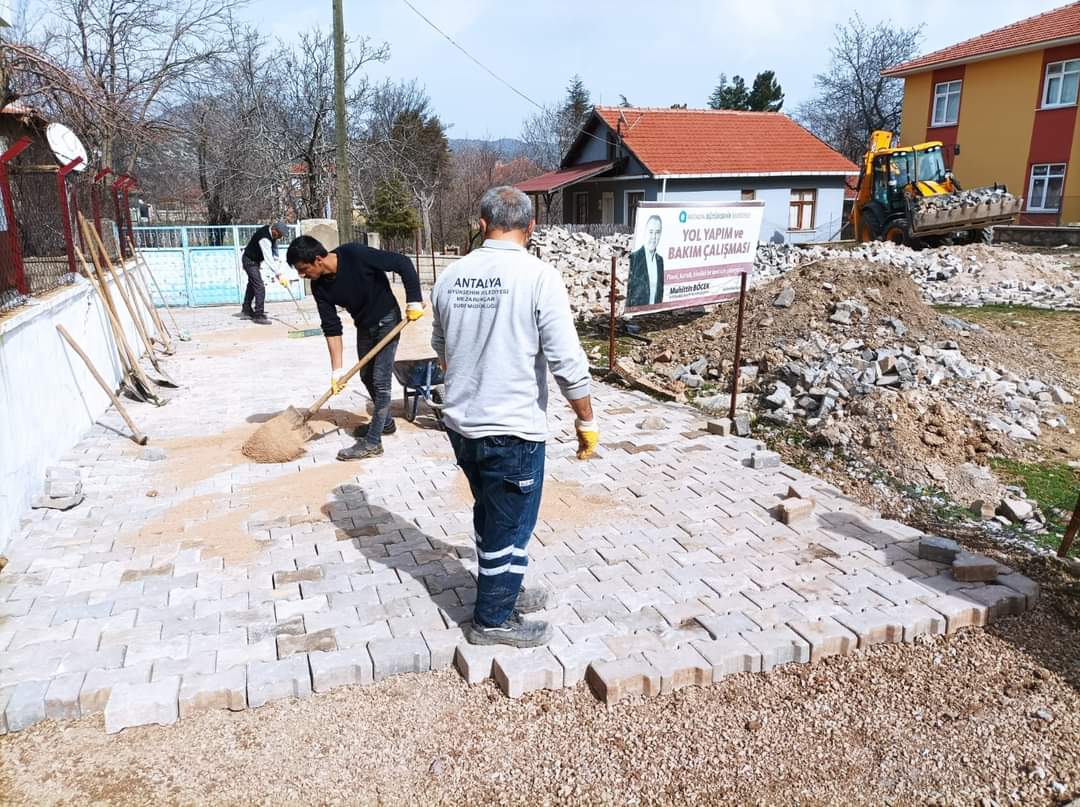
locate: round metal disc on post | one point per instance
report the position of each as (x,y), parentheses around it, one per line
(65,145)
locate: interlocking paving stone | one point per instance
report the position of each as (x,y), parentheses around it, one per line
(827,637)
(273,680)
(690,558)
(527,671)
(680,668)
(614,680)
(142,704)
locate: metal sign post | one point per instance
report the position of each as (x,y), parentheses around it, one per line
(1070,531)
(65,210)
(738,346)
(611,320)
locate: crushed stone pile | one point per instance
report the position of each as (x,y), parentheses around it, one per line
(969,275)
(853,353)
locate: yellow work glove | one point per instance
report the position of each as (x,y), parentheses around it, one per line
(588,438)
(284,281)
(413,311)
(336,382)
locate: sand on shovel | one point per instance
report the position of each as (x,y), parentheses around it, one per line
(280,439)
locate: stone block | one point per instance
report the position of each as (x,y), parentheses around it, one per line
(872,626)
(142,704)
(729,655)
(764,459)
(1022,585)
(202,663)
(793,510)
(273,680)
(286,609)
(284,578)
(721,426)
(294,626)
(779,645)
(66,503)
(442,645)
(26,705)
(633,643)
(62,488)
(681,667)
(971,568)
(612,681)
(340,668)
(982,510)
(727,625)
(474,662)
(827,637)
(526,671)
(5,698)
(229,657)
(576,658)
(938,549)
(223,690)
(320,641)
(399,655)
(98,686)
(1000,601)
(741,425)
(917,619)
(959,610)
(1016,510)
(62,697)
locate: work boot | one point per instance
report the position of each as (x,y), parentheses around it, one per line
(515,632)
(531,600)
(260,319)
(246,312)
(361,431)
(360,451)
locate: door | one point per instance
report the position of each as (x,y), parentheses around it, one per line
(607,208)
(633,199)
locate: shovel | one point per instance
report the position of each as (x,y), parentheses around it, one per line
(282,438)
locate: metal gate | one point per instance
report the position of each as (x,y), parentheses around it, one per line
(198,266)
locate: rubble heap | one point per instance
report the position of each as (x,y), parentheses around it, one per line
(961,200)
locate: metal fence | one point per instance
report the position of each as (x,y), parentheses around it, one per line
(199,266)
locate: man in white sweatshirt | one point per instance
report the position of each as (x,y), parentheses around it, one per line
(502,320)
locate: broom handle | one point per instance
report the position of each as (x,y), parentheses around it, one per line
(360,365)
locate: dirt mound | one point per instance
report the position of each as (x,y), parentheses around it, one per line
(280,439)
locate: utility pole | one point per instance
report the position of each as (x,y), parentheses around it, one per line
(344,192)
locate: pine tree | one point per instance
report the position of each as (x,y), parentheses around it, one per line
(574,112)
(392,215)
(766,95)
(730,96)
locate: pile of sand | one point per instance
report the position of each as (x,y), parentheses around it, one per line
(280,439)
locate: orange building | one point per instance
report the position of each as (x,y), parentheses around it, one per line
(1004,105)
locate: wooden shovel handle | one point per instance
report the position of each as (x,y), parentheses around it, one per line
(360,365)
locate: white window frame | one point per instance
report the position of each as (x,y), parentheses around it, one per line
(1067,67)
(1050,174)
(626,203)
(950,88)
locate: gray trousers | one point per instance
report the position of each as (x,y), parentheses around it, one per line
(255,294)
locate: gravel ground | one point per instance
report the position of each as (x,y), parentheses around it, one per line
(981,716)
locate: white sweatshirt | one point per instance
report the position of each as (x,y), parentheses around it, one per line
(501,320)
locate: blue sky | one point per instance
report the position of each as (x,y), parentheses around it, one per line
(655,53)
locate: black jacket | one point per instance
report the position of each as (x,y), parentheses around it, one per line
(637,287)
(361,286)
(252,251)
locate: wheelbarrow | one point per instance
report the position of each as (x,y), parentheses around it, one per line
(420,378)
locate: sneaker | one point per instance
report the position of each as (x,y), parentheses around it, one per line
(515,632)
(532,599)
(360,451)
(361,431)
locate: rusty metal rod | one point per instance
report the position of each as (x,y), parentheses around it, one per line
(1070,531)
(738,347)
(611,320)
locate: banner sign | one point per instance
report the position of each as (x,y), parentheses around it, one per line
(688,254)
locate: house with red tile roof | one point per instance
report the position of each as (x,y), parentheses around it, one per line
(1004,105)
(627,155)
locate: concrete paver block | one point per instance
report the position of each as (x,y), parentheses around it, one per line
(612,681)
(729,655)
(322,640)
(764,459)
(936,548)
(474,662)
(26,706)
(793,510)
(576,658)
(959,610)
(1022,585)
(442,645)
(223,690)
(526,671)
(873,626)
(827,637)
(98,685)
(779,645)
(918,620)
(682,667)
(1000,601)
(242,655)
(62,697)
(972,568)
(142,704)
(399,655)
(273,680)
(727,625)
(340,668)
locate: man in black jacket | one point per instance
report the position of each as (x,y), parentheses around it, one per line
(260,249)
(646,283)
(354,277)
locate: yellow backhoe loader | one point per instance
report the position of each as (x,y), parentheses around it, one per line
(907,196)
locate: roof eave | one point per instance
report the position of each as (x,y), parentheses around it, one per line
(741,174)
(900,72)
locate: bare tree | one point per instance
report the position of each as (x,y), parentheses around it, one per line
(131,56)
(853,98)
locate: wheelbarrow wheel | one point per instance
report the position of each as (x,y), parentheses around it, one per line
(410,411)
(436,398)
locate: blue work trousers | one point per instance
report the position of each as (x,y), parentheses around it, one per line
(506,476)
(378,375)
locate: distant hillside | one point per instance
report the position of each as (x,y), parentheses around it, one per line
(508,147)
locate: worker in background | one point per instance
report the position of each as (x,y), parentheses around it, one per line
(355,277)
(501,321)
(261,250)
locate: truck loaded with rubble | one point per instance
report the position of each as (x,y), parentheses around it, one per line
(843,353)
